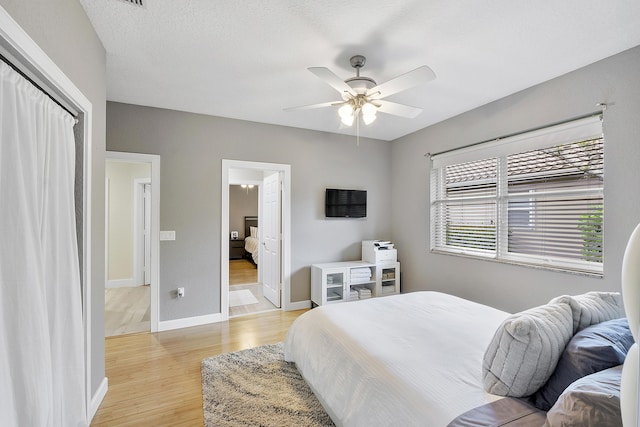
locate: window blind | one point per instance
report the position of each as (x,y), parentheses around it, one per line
(537,199)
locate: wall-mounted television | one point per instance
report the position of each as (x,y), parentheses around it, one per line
(345,203)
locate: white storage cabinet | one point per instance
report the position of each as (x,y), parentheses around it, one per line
(342,281)
(387,279)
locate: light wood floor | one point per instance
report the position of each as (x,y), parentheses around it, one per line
(127,310)
(241,272)
(154,379)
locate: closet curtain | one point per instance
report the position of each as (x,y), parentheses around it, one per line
(42,367)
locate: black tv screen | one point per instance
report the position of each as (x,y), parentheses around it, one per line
(345,203)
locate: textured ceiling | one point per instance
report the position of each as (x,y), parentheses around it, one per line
(248,59)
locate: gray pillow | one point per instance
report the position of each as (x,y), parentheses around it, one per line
(525,349)
(591,401)
(593,349)
(593,307)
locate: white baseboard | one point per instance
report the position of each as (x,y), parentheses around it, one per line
(298,305)
(98,397)
(187,322)
(120,283)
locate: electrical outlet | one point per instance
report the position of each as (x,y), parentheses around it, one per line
(180,292)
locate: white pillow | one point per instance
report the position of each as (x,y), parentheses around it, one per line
(593,307)
(253,231)
(525,349)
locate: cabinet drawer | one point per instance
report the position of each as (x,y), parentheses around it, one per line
(236,248)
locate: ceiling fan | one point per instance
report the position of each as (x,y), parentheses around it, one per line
(362,96)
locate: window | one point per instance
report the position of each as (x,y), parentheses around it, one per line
(535,198)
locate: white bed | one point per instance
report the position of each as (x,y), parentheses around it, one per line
(251,239)
(411,359)
(252,245)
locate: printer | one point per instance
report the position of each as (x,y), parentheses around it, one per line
(379,252)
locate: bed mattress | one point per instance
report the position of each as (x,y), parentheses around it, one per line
(412,359)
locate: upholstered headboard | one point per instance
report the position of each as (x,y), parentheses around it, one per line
(631,296)
(249,221)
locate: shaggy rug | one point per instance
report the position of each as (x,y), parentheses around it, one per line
(256,387)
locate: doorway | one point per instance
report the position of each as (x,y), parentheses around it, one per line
(271,255)
(132,242)
(248,290)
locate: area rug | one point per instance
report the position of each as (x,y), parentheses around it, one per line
(241,297)
(256,387)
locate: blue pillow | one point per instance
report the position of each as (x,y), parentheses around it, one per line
(593,349)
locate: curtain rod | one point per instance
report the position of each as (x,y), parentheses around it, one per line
(30,80)
(584,116)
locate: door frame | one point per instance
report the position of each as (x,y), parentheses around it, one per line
(154,160)
(285,256)
(17,45)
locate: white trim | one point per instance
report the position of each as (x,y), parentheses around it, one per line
(285,171)
(121,283)
(154,159)
(187,322)
(97,398)
(25,50)
(299,305)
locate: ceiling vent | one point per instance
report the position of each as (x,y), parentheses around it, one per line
(139,3)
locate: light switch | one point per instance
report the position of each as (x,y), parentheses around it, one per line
(167,235)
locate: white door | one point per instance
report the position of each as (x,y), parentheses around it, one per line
(269,259)
(147,233)
(142,232)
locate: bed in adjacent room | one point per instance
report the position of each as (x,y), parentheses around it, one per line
(433,359)
(251,240)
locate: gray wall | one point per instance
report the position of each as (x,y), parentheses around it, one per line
(63,31)
(613,80)
(192,147)
(241,203)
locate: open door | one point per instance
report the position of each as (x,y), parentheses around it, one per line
(270,226)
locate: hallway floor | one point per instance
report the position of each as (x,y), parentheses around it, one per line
(127,310)
(244,275)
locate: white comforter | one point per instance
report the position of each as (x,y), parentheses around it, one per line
(251,245)
(405,360)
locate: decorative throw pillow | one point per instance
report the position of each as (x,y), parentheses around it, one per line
(593,307)
(525,349)
(593,349)
(591,401)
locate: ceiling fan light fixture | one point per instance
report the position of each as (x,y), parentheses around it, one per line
(345,111)
(368,118)
(362,96)
(368,109)
(346,114)
(347,120)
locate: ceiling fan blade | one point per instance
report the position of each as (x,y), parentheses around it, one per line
(334,81)
(396,109)
(312,106)
(403,82)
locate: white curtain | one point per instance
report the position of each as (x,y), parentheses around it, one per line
(42,368)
